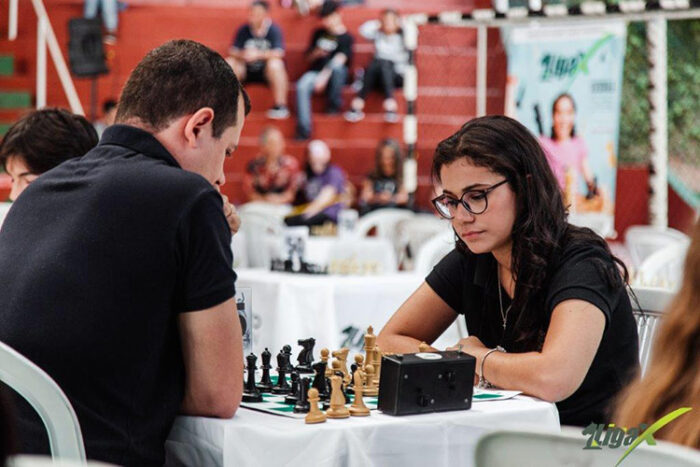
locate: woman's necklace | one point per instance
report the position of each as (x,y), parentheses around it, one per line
(504,316)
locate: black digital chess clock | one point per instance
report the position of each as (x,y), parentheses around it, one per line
(426,382)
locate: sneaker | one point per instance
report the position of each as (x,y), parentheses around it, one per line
(109,39)
(278,112)
(354,115)
(391,116)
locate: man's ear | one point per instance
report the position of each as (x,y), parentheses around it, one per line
(196,123)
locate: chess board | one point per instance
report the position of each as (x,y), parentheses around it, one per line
(274,404)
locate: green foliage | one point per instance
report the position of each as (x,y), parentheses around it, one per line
(683,94)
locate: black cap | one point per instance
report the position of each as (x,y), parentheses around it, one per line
(328,8)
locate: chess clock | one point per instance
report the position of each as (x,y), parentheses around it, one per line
(426,382)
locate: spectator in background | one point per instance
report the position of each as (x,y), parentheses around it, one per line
(257,53)
(110,17)
(109,111)
(40,141)
(383,187)
(387,68)
(672,380)
(329,56)
(319,198)
(274,175)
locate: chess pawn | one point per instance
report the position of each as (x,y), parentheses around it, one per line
(293,396)
(302,405)
(337,371)
(265,384)
(315,415)
(371,388)
(337,408)
(250,392)
(342,356)
(324,358)
(358,407)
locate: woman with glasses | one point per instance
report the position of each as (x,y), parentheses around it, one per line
(545,302)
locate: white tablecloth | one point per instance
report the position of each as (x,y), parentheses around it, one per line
(437,439)
(335,310)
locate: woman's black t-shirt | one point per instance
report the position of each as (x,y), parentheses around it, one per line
(467,283)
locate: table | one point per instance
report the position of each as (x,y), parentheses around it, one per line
(335,310)
(436,439)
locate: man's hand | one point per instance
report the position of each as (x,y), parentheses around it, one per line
(251,55)
(232,217)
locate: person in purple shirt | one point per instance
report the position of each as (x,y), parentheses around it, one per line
(319,198)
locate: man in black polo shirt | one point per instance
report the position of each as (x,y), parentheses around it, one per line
(116,266)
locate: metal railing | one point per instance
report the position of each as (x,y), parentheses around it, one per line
(46,40)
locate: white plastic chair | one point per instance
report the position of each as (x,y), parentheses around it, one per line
(262,233)
(652,303)
(643,240)
(414,232)
(540,449)
(44,395)
(433,251)
(601,223)
(239,247)
(4,209)
(384,220)
(265,209)
(664,267)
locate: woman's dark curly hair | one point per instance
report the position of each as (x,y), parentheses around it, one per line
(540,230)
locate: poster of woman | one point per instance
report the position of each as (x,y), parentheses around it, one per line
(564,84)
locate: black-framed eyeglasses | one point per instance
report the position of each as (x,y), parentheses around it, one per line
(474,201)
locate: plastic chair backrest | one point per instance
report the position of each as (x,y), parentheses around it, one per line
(261,233)
(384,220)
(264,209)
(414,232)
(239,247)
(643,240)
(664,267)
(44,395)
(540,449)
(652,302)
(433,251)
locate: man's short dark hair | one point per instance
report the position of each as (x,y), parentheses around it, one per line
(261,3)
(328,8)
(45,138)
(178,78)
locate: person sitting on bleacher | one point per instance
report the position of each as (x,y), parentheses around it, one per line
(257,53)
(329,56)
(386,69)
(383,187)
(40,141)
(273,176)
(320,196)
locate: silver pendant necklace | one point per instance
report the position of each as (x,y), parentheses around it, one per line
(504,316)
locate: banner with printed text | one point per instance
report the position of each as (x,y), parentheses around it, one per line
(565,84)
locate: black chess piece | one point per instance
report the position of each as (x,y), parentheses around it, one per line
(350,387)
(250,392)
(320,380)
(306,356)
(302,405)
(282,386)
(287,352)
(294,392)
(265,384)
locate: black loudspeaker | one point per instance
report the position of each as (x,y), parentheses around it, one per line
(85,51)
